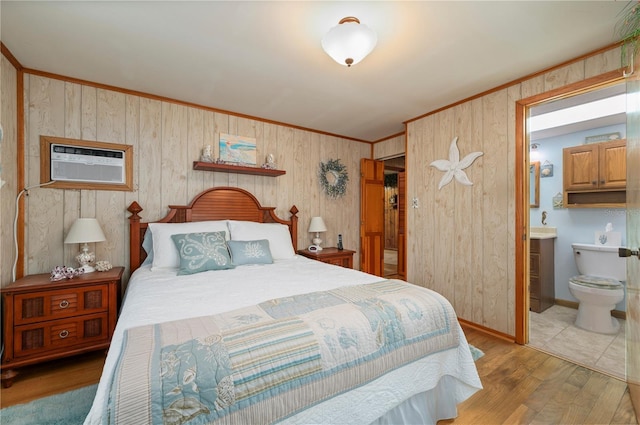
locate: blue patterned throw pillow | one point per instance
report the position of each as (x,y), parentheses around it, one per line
(250,252)
(200,252)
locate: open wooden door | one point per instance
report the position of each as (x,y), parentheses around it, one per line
(372,216)
(402,223)
(632,331)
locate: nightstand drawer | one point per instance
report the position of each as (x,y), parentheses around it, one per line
(342,262)
(50,305)
(60,334)
(335,256)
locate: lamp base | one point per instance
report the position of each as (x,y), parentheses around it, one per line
(316,242)
(86,268)
(86,260)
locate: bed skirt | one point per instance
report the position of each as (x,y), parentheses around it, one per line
(424,392)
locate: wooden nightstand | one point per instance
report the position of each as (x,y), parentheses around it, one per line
(46,320)
(335,256)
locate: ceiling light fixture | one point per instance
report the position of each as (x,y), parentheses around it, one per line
(349,42)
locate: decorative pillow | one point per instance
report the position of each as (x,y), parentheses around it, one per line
(147,245)
(200,252)
(250,252)
(277,234)
(165,254)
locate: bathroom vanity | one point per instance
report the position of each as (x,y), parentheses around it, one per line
(542,291)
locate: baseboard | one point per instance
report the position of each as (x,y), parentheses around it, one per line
(485,330)
(572,304)
(564,303)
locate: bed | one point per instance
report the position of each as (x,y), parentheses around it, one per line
(223,323)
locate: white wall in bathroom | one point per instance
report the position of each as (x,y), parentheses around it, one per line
(573,224)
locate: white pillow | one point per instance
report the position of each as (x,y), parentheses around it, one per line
(165,253)
(277,234)
(147,245)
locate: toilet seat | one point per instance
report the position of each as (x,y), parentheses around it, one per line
(596,282)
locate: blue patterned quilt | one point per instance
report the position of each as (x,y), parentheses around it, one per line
(263,363)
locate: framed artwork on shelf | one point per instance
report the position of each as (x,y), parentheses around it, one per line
(237,149)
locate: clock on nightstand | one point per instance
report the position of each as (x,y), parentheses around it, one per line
(338,257)
(45,320)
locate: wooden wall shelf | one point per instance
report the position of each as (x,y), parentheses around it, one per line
(227,168)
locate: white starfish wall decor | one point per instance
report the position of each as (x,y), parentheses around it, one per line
(453,166)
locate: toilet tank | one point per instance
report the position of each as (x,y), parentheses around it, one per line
(599,260)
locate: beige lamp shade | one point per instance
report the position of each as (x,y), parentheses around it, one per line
(317,225)
(85,230)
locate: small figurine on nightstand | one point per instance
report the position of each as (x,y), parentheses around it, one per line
(64,272)
(103,266)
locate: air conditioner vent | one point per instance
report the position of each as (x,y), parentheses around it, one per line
(80,164)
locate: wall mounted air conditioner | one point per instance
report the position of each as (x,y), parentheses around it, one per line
(85,164)
(77,164)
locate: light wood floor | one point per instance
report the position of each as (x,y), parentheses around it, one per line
(521,386)
(391,271)
(526,386)
(53,377)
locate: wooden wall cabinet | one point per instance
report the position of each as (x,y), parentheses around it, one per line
(595,175)
(542,291)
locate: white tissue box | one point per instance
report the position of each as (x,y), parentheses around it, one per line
(608,238)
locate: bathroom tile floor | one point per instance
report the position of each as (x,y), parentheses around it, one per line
(553,331)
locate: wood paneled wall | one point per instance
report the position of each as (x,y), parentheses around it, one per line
(461,239)
(166,137)
(389,148)
(8,191)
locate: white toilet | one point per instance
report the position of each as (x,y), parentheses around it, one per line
(599,287)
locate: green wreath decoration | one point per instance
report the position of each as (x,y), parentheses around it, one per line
(333,178)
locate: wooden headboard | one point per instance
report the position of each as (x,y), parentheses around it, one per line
(218,203)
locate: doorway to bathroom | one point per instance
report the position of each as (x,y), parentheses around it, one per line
(554,226)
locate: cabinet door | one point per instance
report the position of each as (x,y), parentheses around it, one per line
(580,165)
(613,165)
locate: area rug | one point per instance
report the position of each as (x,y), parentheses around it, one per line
(475,352)
(72,407)
(68,408)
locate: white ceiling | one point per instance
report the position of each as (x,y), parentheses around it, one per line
(264,59)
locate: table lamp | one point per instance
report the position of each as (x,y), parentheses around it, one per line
(317,225)
(83,231)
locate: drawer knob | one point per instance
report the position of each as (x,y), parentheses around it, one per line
(64,304)
(63,334)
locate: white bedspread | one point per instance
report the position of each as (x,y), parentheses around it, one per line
(160,296)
